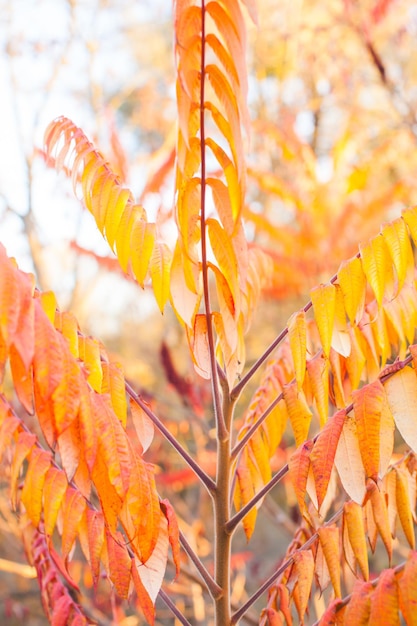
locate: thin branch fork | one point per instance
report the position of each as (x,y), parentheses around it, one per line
(280,570)
(200,473)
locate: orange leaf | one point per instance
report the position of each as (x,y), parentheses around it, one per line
(323,453)
(408,590)
(354,524)
(380,513)
(359,607)
(298,412)
(384,602)
(95,530)
(119,563)
(304,566)
(144,598)
(173,533)
(368,404)
(39,464)
(72,511)
(298,466)
(24,444)
(329,541)
(113,444)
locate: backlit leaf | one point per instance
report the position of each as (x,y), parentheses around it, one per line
(348,462)
(329,540)
(401,390)
(407,589)
(323,298)
(297,334)
(385,604)
(323,453)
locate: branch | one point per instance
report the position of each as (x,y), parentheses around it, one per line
(213,588)
(165,598)
(200,473)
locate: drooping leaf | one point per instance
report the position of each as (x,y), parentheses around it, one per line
(323,453)
(354,524)
(407,590)
(323,298)
(367,406)
(385,604)
(348,461)
(401,390)
(304,566)
(329,540)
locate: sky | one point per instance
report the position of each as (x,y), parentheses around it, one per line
(59,57)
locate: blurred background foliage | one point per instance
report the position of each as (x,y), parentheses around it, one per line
(332,153)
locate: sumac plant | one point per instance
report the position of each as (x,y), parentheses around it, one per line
(339,380)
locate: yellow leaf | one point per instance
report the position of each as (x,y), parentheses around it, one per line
(329,540)
(198,341)
(409,215)
(244,492)
(160,266)
(399,246)
(297,334)
(318,373)
(404,506)
(142,241)
(298,412)
(401,390)
(377,265)
(31,496)
(323,298)
(225,256)
(340,335)
(184,301)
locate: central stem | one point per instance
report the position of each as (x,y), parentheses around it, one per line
(223,536)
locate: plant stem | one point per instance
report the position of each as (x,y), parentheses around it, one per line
(217,405)
(223,537)
(200,473)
